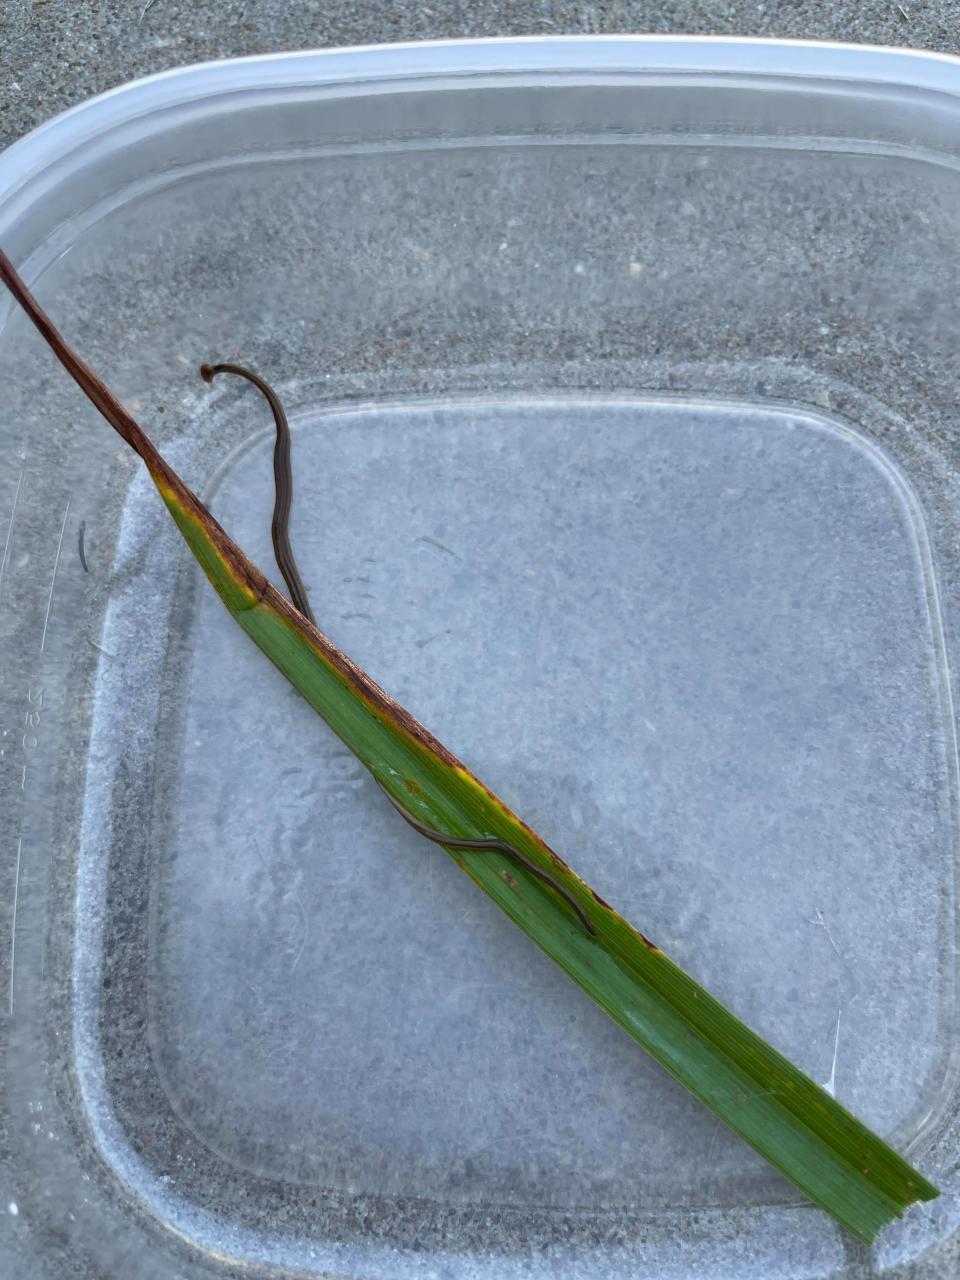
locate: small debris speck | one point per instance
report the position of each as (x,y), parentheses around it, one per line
(13,1209)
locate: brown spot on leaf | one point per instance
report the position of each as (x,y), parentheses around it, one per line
(413,787)
(602,901)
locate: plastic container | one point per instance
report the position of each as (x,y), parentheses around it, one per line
(625,389)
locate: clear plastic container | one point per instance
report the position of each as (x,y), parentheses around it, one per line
(624,383)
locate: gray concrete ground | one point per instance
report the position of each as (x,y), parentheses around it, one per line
(54,53)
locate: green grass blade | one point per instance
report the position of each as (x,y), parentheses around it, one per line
(796,1125)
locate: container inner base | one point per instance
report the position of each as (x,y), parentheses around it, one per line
(697,647)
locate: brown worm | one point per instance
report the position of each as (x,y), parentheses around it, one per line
(282,550)
(283,482)
(492,846)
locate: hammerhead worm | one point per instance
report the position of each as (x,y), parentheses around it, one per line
(283,552)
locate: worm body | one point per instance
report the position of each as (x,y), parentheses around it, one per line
(492,846)
(283,481)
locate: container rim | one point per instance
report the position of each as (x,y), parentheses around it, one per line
(515,55)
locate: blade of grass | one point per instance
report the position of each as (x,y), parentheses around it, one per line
(796,1125)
